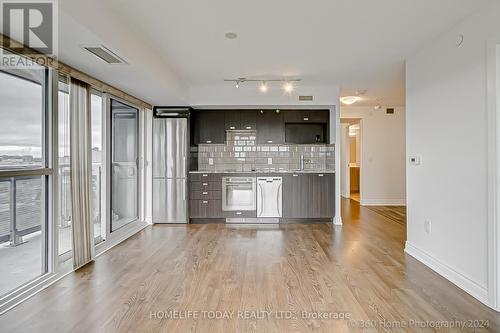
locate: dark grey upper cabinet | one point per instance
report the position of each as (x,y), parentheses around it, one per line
(232,119)
(290,126)
(306,126)
(305,133)
(307,116)
(209,127)
(270,127)
(248,119)
(240,120)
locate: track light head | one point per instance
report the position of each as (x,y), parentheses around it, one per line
(263,87)
(288,87)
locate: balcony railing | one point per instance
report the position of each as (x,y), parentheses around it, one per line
(21,203)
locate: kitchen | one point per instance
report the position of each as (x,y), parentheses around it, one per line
(243,165)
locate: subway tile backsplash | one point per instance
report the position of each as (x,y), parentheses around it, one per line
(241,153)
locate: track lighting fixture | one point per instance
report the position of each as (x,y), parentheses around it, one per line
(288,84)
(288,87)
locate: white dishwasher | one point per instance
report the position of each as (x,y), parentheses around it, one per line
(269,197)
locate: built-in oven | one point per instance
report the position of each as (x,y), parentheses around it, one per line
(239,194)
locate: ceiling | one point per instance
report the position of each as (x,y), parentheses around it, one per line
(174,45)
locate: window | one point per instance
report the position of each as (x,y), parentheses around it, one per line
(98,192)
(124,164)
(24,177)
(21,114)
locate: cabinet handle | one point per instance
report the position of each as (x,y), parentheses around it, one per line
(205,193)
(269,141)
(248,127)
(205,175)
(209,141)
(232,127)
(204,184)
(295,175)
(239,213)
(320,175)
(204,202)
(306,118)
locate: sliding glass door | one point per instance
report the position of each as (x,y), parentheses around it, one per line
(124,164)
(98,191)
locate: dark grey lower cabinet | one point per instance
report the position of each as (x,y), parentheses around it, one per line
(309,195)
(295,196)
(205,208)
(324,195)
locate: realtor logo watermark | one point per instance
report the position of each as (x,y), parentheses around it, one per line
(31,28)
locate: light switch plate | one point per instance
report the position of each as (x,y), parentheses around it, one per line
(428,226)
(210,161)
(269,160)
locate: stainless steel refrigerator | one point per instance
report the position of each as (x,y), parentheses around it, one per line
(170,150)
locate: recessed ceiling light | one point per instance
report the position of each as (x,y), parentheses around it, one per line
(231,35)
(348,100)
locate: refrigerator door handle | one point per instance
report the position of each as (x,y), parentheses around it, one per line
(184,191)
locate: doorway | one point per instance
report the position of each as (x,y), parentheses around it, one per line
(351,158)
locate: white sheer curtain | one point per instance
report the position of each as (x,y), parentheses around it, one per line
(81,173)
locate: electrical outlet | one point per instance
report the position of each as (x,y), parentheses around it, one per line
(269,160)
(415,160)
(427,226)
(210,161)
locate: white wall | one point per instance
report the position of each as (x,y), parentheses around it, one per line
(382,164)
(447,126)
(494,262)
(344,160)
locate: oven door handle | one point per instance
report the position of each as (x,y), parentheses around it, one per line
(278,199)
(239,186)
(261,204)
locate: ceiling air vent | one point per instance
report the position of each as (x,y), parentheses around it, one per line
(305,98)
(105,54)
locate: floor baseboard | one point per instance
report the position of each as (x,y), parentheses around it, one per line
(463,282)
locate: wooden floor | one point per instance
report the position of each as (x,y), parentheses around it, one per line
(295,271)
(394,213)
(355,196)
